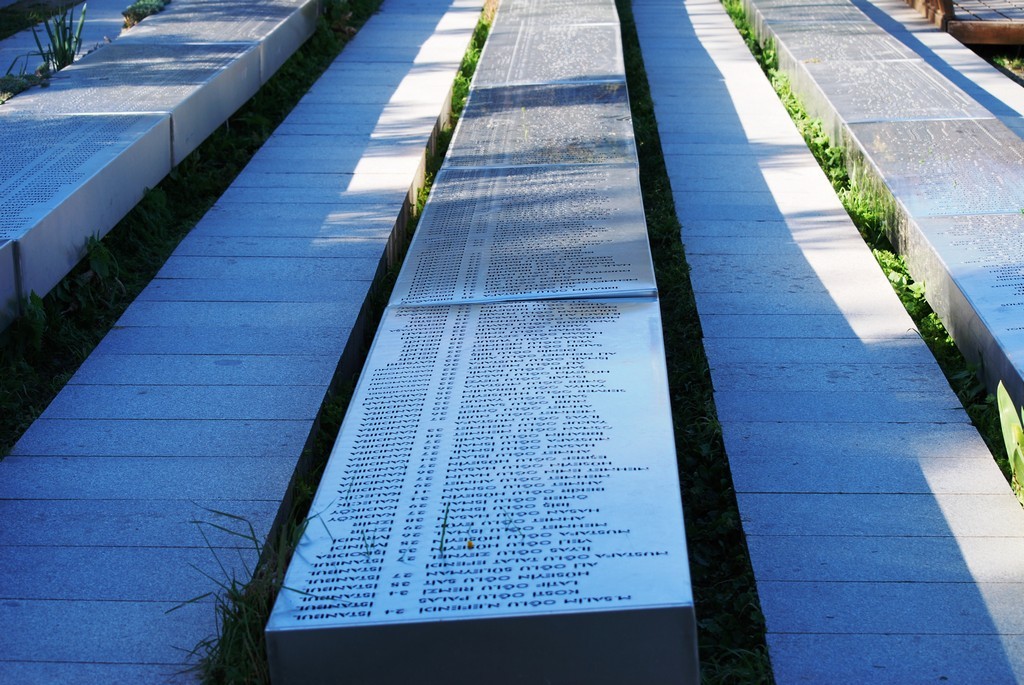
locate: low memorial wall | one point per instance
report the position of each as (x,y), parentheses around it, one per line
(948,168)
(79,154)
(502,503)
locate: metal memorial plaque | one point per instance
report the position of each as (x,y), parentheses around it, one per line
(984,255)
(565,12)
(814,11)
(973,267)
(523,54)
(529,233)
(503,491)
(891,91)
(848,41)
(566,124)
(161,78)
(200,86)
(45,191)
(35,179)
(947,167)
(191,21)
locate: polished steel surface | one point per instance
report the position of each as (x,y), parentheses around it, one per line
(529,233)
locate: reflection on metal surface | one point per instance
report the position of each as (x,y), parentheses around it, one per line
(527,233)
(501,460)
(552,54)
(948,167)
(578,124)
(28,169)
(892,91)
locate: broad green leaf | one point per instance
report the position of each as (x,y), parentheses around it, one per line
(1009,421)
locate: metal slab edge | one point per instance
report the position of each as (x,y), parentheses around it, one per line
(652,646)
(10,299)
(49,250)
(286,38)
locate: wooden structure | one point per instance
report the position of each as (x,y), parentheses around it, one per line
(978,22)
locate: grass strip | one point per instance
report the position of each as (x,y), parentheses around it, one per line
(237,654)
(41,351)
(871,213)
(730,623)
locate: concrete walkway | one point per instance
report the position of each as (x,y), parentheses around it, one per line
(203,396)
(886,545)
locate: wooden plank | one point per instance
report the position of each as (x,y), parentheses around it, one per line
(987,32)
(939,12)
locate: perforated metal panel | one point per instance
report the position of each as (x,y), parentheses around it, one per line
(571,124)
(196,21)
(518,54)
(158,79)
(948,167)
(527,233)
(46,158)
(565,12)
(489,451)
(986,251)
(892,91)
(811,13)
(810,42)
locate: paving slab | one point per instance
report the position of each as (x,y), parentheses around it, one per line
(956,658)
(119,574)
(855,441)
(826,406)
(136,523)
(919,559)
(284,219)
(744,351)
(268,269)
(805,326)
(199,370)
(390,195)
(868,515)
(57,437)
(87,674)
(350,292)
(148,477)
(281,402)
(946,608)
(799,375)
(250,339)
(896,471)
(99,634)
